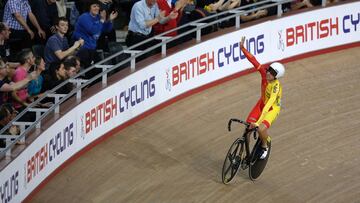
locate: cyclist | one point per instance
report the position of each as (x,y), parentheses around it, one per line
(268,107)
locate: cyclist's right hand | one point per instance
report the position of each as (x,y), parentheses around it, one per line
(253,125)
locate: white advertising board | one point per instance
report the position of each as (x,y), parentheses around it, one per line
(316,30)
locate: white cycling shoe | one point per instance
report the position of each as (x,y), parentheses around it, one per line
(264,153)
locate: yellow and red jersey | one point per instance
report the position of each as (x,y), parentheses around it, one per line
(271,92)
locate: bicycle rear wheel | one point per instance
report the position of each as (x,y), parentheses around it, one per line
(232,161)
(257,165)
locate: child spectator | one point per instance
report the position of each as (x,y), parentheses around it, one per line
(57,47)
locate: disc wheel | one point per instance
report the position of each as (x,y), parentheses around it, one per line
(232,161)
(257,165)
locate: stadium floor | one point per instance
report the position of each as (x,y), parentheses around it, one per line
(176,154)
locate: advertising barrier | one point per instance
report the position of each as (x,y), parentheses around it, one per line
(315,30)
(168,78)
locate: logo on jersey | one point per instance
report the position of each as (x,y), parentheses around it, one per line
(275,88)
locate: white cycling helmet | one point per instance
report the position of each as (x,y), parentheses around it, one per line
(278,68)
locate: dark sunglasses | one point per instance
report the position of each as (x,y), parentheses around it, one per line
(271,71)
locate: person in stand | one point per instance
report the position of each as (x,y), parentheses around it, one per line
(7,85)
(46,13)
(34,86)
(8,113)
(57,47)
(16,13)
(59,72)
(144,15)
(20,97)
(4,37)
(89,27)
(168,7)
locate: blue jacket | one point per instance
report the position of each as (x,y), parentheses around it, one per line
(89,28)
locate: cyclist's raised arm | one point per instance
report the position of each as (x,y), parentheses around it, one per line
(248,55)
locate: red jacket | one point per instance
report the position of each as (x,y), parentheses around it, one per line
(172,23)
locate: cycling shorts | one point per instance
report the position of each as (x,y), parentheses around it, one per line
(255,114)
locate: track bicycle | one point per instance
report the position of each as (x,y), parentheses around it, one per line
(240,156)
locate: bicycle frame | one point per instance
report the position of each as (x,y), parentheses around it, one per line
(246,134)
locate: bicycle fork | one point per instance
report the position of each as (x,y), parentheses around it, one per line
(245,160)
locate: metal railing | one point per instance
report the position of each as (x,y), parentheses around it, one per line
(195,26)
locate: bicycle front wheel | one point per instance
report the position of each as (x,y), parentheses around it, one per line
(232,161)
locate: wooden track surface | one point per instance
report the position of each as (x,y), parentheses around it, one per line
(176,154)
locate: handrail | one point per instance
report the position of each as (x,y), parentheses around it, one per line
(10,141)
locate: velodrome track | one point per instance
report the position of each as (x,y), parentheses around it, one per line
(176,154)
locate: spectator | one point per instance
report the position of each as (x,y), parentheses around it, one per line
(46,13)
(20,97)
(58,74)
(295,5)
(254,15)
(57,47)
(34,86)
(74,15)
(7,86)
(211,6)
(221,5)
(169,8)
(16,14)
(144,15)
(5,53)
(89,27)
(108,36)
(4,36)
(77,61)
(2,6)
(8,113)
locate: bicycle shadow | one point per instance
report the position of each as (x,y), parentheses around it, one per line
(211,169)
(207,168)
